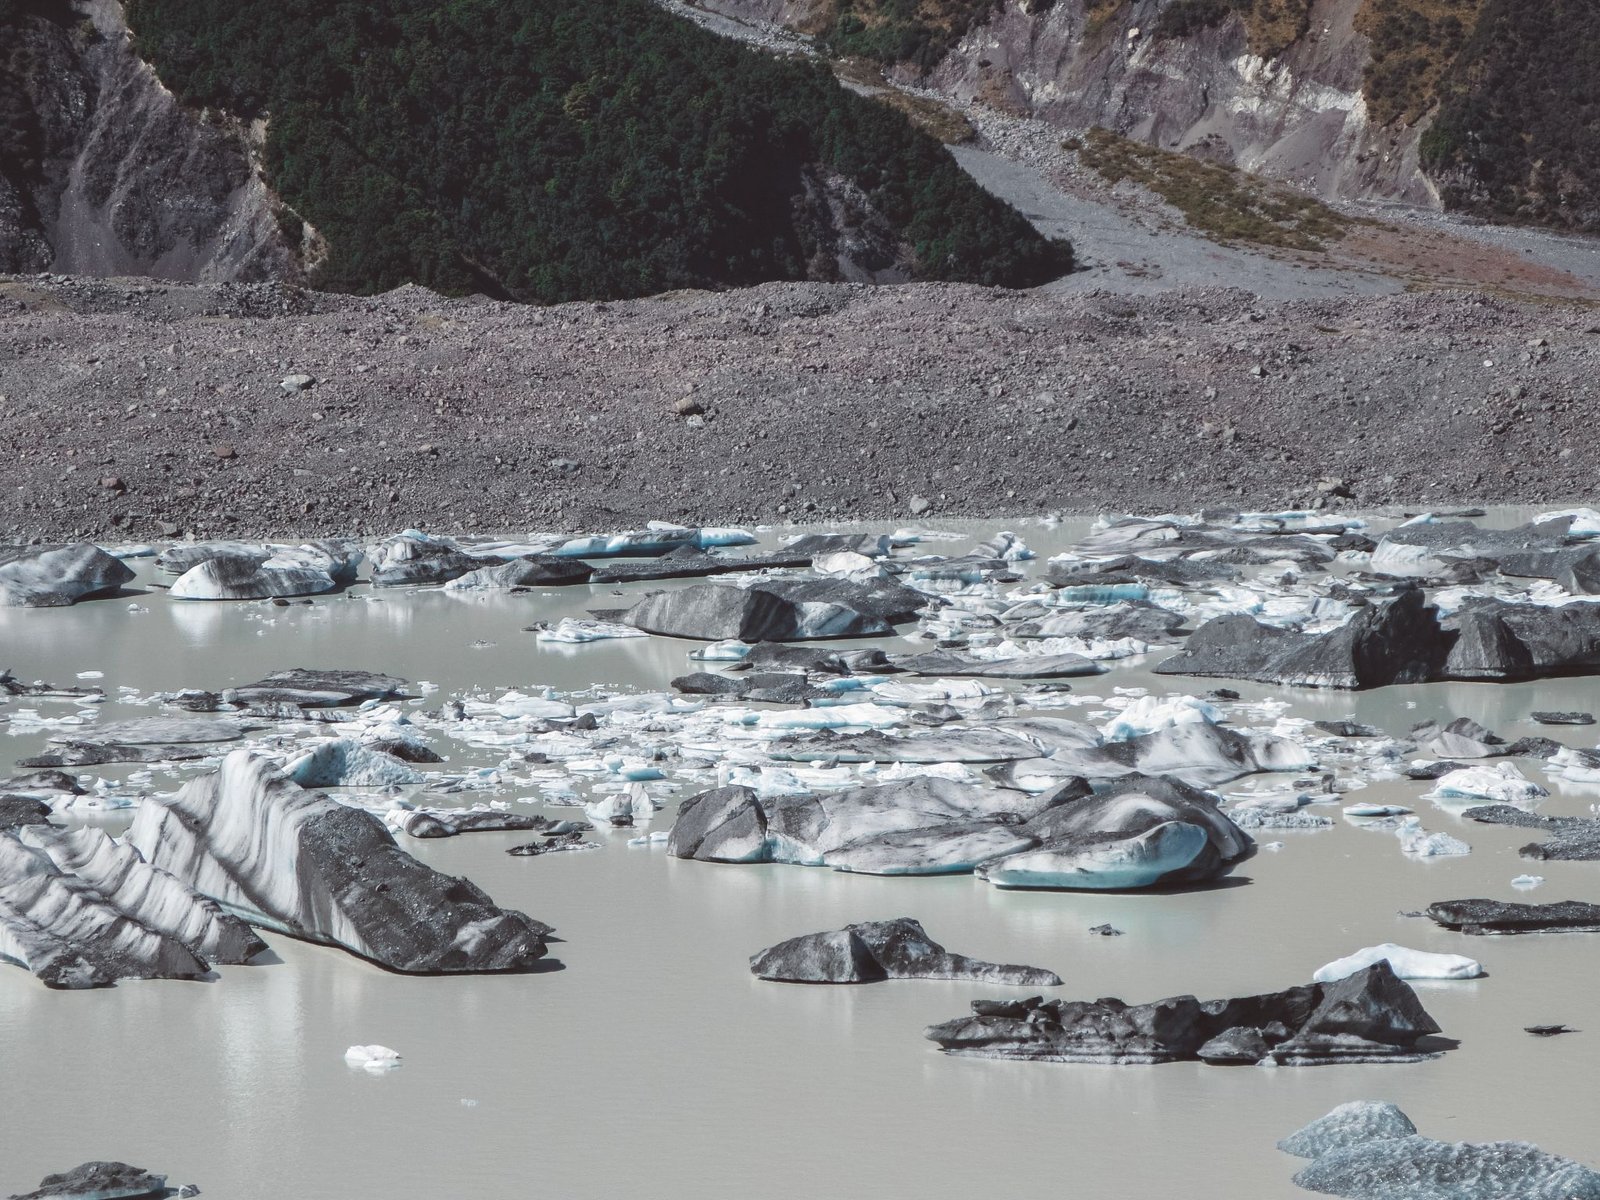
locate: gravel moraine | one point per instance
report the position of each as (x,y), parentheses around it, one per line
(138,410)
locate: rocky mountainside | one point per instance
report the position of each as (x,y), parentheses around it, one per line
(1481,105)
(103,172)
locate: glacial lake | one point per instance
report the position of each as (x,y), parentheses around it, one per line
(654,1065)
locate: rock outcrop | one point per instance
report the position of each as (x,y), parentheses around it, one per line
(110,174)
(1368,1017)
(873,951)
(292,860)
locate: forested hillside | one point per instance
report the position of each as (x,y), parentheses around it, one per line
(1518,132)
(557,149)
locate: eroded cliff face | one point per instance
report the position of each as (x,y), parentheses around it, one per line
(103,172)
(1299,115)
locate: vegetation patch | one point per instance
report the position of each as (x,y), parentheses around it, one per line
(929,115)
(1415,44)
(917,32)
(563,149)
(1273,25)
(1221,202)
(1515,136)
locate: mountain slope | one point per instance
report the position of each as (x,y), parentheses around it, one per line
(556,149)
(1486,106)
(103,172)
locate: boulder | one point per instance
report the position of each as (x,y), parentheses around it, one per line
(1369,1017)
(877,950)
(55,576)
(289,859)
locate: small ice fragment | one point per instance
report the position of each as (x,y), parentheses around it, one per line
(91,674)
(1417,841)
(465,1103)
(1526,883)
(376,1059)
(1374,809)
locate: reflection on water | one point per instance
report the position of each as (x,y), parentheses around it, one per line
(654,1065)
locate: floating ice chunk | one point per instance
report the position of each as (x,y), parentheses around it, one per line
(848,564)
(343,763)
(718,535)
(952,691)
(1574,766)
(1585,521)
(1134,862)
(1419,843)
(1500,783)
(91,674)
(574,631)
(621,809)
(1526,883)
(1099,593)
(1407,964)
(657,838)
(376,1059)
(1375,809)
(515,705)
(731,650)
(1147,714)
(836,716)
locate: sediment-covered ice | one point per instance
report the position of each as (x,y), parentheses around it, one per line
(292,860)
(873,951)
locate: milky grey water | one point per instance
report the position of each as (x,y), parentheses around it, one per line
(654,1065)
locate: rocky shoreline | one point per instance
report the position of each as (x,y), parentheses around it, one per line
(141,410)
